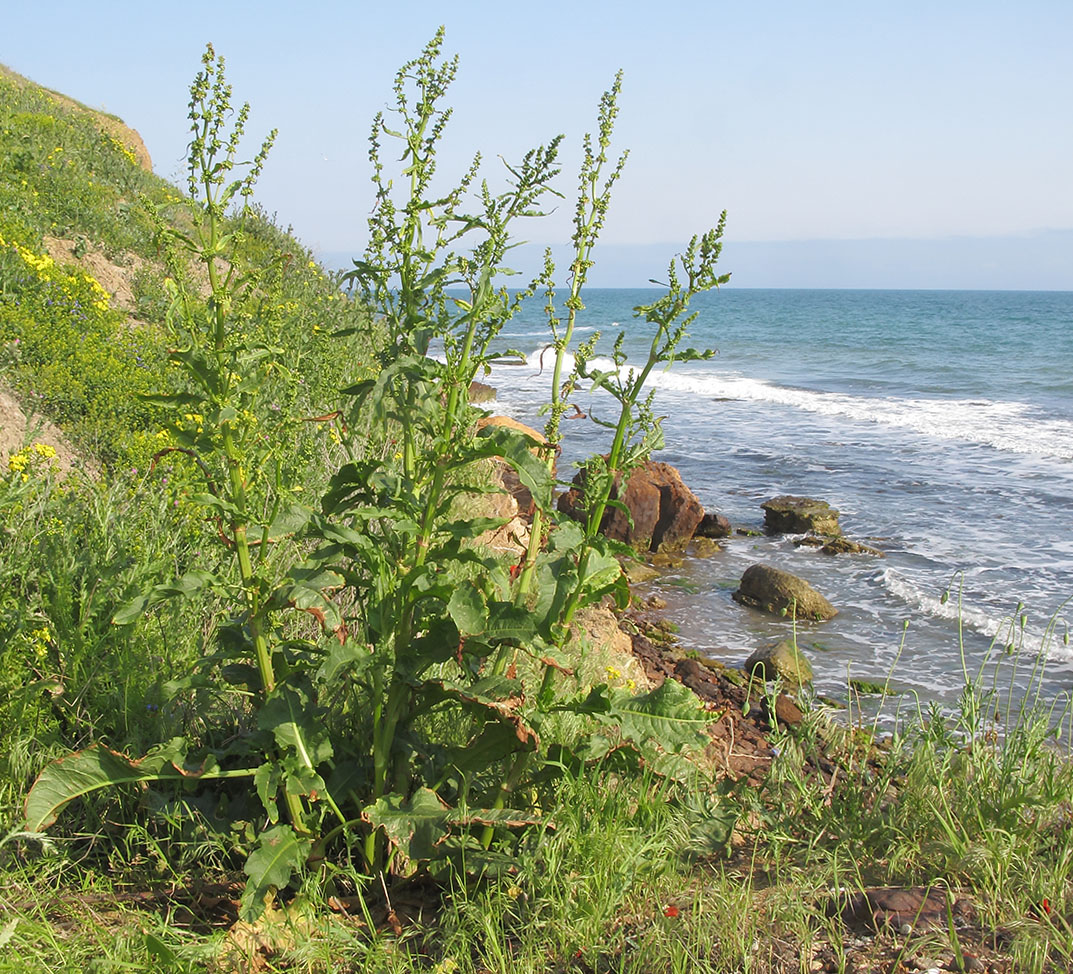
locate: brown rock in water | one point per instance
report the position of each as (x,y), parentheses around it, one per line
(837,546)
(664,511)
(843,546)
(481,392)
(713,526)
(796,515)
(780,593)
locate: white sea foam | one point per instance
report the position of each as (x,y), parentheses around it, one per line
(1003,630)
(1012,427)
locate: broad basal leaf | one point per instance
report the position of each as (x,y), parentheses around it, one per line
(671,715)
(84,772)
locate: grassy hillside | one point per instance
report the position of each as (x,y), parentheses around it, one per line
(82,280)
(313,716)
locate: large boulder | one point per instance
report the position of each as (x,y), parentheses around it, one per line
(781,660)
(797,515)
(663,510)
(780,593)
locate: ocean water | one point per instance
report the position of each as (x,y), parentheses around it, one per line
(940,424)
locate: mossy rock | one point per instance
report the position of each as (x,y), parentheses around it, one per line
(796,515)
(665,559)
(780,593)
(705,548)
(781,660)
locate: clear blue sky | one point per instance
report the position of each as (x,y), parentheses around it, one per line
(937,120)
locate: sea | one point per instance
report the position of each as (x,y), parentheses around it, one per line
(940,425)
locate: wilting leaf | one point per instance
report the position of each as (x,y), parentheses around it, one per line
(419,826)
(494,697)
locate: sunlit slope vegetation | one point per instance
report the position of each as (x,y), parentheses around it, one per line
(84,293)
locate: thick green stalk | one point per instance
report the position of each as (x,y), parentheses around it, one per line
(536,528)
(237,484)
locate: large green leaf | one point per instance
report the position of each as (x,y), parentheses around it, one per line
(417,826)
(671,714)
(516,448)
(84,772)
(468,609)
(270,866)
(670,717)
(296,725)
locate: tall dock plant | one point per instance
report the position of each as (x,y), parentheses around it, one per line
(449,629)
(433,274)
(216,425)
(427,706)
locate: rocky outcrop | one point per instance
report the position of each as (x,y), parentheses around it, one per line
(780,661)
(780,593)
(664,512)
(797,515)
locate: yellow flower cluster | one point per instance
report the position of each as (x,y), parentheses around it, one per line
(45,268)
(125,150)
(23,462)
(41,638)
(614,675)
(101,298)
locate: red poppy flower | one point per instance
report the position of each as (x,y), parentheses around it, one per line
(671,911)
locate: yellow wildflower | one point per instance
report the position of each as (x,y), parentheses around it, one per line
(41,638)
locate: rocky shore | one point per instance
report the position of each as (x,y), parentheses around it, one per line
(663,520)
